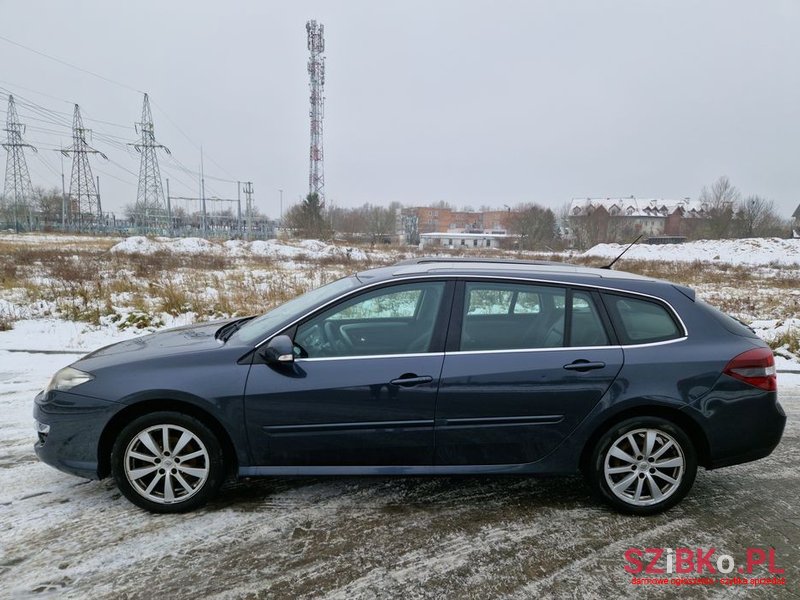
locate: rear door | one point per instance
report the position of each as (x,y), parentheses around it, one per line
(525,363)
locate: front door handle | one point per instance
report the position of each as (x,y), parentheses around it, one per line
(584,365)
(410,379)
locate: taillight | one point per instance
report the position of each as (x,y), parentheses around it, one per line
(755,367)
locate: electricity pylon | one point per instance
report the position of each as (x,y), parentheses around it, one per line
(18,193)
(150,209)
(84,200)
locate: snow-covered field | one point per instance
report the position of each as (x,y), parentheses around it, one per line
(347,537)
(755,251)
(305,249)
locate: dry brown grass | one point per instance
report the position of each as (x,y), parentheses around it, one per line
(163,261)
(789,339)
(8,272)
(6,321)
(86,282)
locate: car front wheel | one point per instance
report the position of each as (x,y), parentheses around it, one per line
(167,462)
(643,465)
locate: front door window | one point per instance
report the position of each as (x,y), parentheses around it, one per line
(400,319)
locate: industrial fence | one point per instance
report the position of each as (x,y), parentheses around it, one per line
(195,225)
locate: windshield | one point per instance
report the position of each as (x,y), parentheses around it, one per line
(258,328)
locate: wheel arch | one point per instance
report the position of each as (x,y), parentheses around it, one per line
(144,407)
(692,429)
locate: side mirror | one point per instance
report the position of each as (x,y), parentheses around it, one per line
(279,350)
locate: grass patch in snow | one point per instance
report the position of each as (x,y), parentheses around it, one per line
(787,340)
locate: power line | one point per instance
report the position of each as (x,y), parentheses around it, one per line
(70,65)
(125,181)
(27,89)
(54,117)
(192,142)
(61,116)
(47,164)
(42,114)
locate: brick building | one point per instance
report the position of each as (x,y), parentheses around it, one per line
(414,221)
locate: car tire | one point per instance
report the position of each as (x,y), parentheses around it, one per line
(167,462)
(642,466)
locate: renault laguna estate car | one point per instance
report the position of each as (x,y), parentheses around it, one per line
(431,367)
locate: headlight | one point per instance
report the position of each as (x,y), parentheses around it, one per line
(67,378)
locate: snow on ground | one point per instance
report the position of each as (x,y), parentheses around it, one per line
(371,537)
(343,537)
(308,249)
(754,251)
(58,335)
(53,238)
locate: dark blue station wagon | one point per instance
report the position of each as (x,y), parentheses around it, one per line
(433,366)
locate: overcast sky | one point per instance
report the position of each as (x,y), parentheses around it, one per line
(475,103)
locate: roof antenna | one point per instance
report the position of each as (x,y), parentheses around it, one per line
(611,264)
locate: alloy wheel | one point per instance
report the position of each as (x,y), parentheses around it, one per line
(644,467)
(166,463)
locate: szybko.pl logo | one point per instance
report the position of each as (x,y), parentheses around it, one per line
(700,566)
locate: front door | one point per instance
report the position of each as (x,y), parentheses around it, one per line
(362,390)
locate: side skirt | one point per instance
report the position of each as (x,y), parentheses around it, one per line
(389,470)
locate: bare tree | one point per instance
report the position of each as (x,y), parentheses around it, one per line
(720,200)
(49,204)
(535,225)
(441,204)
(590,228)
(380,222)
(757,217)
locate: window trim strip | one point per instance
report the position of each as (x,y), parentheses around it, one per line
(461,278)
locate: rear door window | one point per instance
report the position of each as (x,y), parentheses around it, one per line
(641,321)
(507,316)
(510,316)
(587,326)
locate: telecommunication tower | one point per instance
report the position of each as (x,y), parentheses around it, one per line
(316,71)
(84,199)
(150,207)
(18,189)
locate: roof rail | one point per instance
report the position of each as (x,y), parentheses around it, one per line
(460,259)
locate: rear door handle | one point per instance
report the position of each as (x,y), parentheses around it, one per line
(409,380)
(584,365)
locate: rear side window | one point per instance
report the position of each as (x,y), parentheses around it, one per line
(508,316)
(587,327)
(516,316)
(640,321)
(502,300)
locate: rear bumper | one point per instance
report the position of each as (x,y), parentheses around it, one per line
(741,423)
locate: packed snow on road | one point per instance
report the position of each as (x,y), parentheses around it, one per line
(348,537)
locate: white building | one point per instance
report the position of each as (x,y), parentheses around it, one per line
(650,216)
(455,239)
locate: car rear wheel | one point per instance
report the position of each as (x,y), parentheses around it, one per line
(643,465)
(167,462)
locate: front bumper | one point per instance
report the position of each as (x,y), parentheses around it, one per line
(69,427)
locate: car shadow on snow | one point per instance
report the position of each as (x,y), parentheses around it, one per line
(397,494)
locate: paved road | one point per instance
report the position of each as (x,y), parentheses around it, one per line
(441,537)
